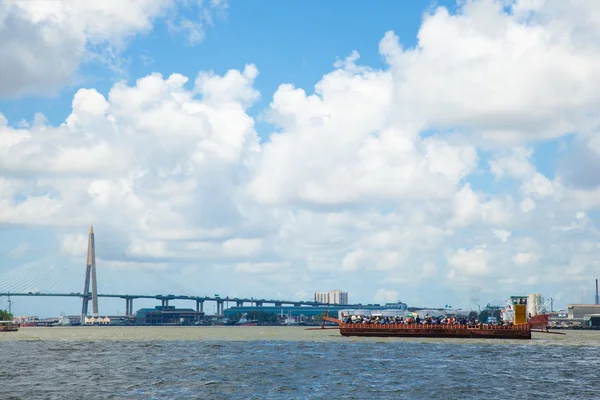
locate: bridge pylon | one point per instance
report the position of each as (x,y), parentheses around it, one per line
(90,272)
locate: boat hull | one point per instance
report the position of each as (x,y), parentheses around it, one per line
(540,321)
(437,331)
(9,328)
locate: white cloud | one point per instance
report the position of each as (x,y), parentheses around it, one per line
(44,43)
(367,184)
(516,164)
(351,261)
(525,258)
(470,208)
(242,247)
(468,263)
(261,267)
(74,245)
(482,68)
(341,146)
(383,296)
(502,234)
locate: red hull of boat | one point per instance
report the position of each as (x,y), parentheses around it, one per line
(539,321)
(436,331)
(433,331)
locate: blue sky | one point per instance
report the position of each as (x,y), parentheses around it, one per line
(459,148)
(291,42)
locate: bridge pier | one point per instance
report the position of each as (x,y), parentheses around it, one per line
(164,302)
(277,304)
(128,305)
(129,311)
(219,307)
(239,303)
(199,305)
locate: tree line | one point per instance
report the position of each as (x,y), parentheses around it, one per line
(5,315)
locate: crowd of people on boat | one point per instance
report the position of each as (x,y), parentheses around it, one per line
(427,320)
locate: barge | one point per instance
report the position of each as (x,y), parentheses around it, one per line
(518,327)
(522,331)
(8,326)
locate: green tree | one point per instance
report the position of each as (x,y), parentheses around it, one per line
(483,315)
(497,314)
(5,316)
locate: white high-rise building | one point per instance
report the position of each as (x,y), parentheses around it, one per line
(333,297)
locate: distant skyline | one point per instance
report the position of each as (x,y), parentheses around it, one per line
(432,152)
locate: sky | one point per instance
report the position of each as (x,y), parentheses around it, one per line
(437,153)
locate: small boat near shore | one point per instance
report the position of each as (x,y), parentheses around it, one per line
(8,326)
(243,321)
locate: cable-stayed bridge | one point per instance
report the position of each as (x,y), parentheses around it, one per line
(52,277)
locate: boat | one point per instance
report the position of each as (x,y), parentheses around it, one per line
(519,328)
(540,321)
(223,322)
(481,331)
(246,322)
(537,316)
(64,321)
(8,326)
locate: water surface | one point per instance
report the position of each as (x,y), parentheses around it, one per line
(289,363)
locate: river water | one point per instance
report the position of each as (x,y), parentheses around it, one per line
(289,363)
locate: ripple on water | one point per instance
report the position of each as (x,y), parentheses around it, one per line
(291,363)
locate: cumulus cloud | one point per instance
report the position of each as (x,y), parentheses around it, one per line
(44,43)
(150,157)
(481,68)
(340,146)
(502,234)
(383,296)
(367,183)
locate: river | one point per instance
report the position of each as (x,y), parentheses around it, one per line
(289,363)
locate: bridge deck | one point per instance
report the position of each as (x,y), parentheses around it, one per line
(182,297)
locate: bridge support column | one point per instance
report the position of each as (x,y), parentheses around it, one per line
(129,311)
(164,302)
(239,303)
(219,307)
(199,305)
(128,306)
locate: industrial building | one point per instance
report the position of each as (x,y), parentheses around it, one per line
(578,311)
(314,311)
(593,321)
(333,297)
(167,315)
